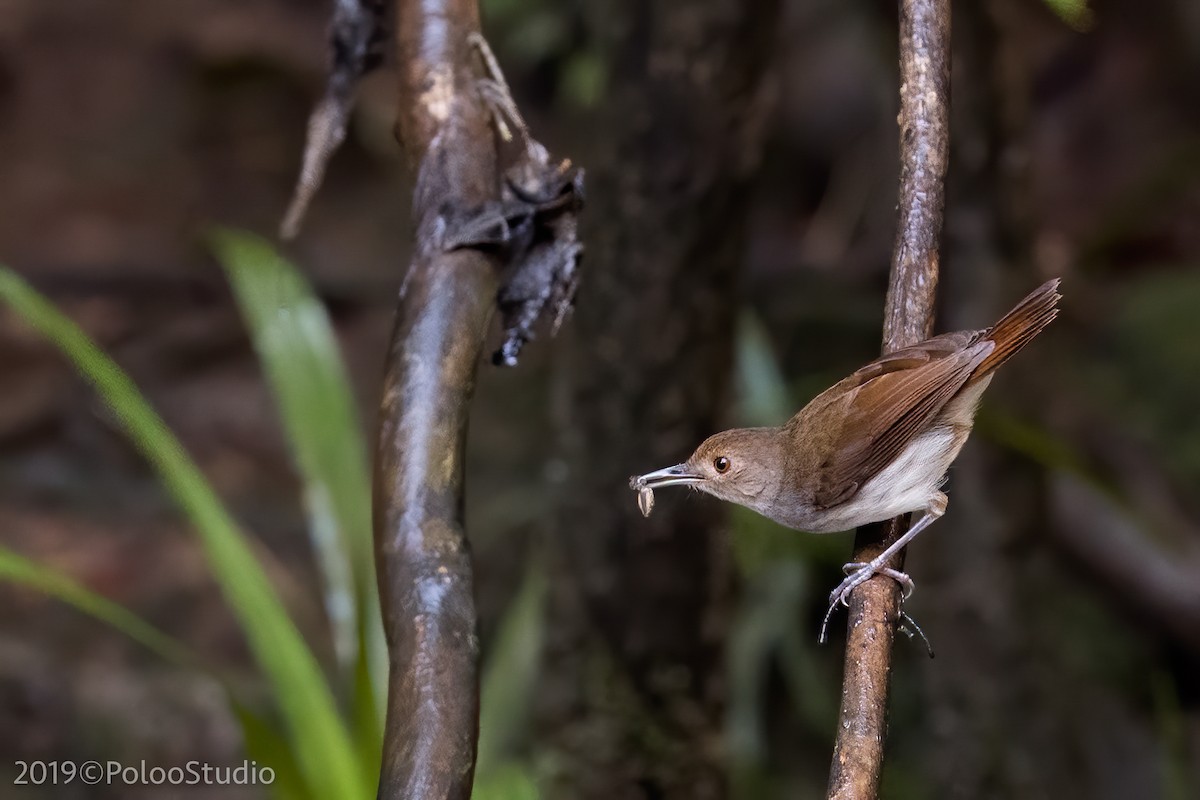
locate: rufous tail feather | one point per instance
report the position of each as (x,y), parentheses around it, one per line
(1016,328)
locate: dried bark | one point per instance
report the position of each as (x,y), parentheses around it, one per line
(908,318)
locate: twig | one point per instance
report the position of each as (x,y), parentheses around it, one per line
(355,45)
(908,318)
(470,230)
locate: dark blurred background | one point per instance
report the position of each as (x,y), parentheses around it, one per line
(1061,591)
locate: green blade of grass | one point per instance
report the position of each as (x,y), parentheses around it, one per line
(295,341)
(316,730)
(507,781)
(268,748)
(511,673)
(263,742)
(20,570)
(763,397)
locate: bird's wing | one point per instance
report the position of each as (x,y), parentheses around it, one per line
(885,405)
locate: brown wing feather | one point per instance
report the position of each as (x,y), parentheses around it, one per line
(850,432)
(883,406)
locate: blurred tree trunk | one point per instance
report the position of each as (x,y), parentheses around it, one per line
(631,702)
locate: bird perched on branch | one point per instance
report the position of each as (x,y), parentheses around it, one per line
(872,447)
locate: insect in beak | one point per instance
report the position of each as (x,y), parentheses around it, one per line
(645,485)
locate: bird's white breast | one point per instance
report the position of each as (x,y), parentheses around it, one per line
(915,476)
(907,484)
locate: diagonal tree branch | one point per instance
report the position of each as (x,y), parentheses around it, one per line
(493,216)
(355,43)
(908,318)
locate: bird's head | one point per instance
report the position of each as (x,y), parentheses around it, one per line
(743,466)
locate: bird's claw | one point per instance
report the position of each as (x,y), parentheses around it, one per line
(909,627)
(858,573)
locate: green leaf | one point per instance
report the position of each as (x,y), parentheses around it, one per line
(295,341)
(764,398)
(1035,443)
(762,392)
(509,681)
(1154,358)
(542,34)
(1073,12)
(265,745)
(314,726)
(508,781)
(1178,771)
(583,79)
(263,742)
(510,675)
(20,570)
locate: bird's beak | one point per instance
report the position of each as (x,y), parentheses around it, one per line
(671,476)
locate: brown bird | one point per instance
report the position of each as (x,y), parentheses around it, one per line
(873,446)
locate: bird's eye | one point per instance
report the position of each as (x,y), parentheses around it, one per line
(721,464)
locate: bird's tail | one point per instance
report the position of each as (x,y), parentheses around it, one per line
(1016,328)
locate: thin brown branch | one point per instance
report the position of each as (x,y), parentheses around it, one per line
(480,211)
(355,44)
(908,318)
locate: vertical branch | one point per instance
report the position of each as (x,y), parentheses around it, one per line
(924,152)
(468,201)
(908,318)
(444,309)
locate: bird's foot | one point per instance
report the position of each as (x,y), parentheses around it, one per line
(857,574)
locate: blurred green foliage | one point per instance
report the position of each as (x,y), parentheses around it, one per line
(296,344)
(20,570)
(531,33)
(768,635)
(311,721)
(1154,376)
(1073,12)
(770,646)
(318,747)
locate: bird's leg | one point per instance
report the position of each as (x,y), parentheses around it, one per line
(863,572)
